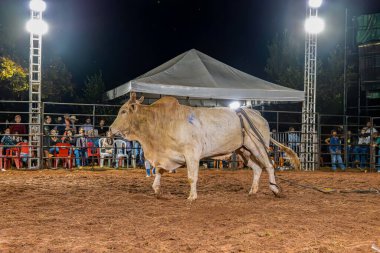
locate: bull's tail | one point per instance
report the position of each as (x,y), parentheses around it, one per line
(294,160)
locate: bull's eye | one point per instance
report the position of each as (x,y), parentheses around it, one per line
(123,111)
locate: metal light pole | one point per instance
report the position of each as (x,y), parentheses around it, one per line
(37,27)
(313,26)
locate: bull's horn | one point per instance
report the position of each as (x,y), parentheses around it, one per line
(133,97)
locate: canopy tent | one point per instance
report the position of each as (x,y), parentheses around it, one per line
(196,75)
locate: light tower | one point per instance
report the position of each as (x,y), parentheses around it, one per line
(37,27)
(313,26)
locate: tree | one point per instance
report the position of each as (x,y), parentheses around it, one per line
(56,82)
(94,88)
(286,61)
(13,79)
(330,82)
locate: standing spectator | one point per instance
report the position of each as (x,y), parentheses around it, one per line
(370,131)
(351,144)
(377,151)
(293,139)
(81,148)
(102,129)
(335,150)
(18,126)
(87,126)
(362,149)
(73,120)
(59,125)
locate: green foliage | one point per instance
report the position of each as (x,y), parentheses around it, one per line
(285,62)
(94,88)
(13,79)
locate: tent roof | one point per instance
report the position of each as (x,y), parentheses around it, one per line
(196,75)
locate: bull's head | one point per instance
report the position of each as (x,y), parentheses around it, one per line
(127,120)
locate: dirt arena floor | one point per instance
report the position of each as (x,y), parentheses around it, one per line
(116,211)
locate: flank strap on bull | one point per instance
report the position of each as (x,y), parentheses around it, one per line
(240,112)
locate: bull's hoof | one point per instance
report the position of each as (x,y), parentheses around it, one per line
(252,192)
(191,198)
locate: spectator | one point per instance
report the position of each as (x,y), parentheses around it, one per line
(87,126)
(7,140)
(49,148)
(148,168)
(351,143)
(369,131)
(106,147)
(73,120)
(68,138)
(293,138)
(47,125)
(18,126)
(362,149)
(81,149)
(377,151)
(102,129)
(335,150)
(59,125)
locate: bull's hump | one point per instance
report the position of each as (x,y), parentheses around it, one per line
(167,101)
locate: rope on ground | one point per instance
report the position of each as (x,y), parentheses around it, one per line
(327,190)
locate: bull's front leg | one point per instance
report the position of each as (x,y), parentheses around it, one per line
(157,182)
(192,175)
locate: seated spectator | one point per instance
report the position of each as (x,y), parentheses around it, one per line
(49,147)
(335,150)
(47,125)
(68,137)
(106,148)
(102,129)
(7,140)
(87,126)
(52,142)
(81,149)
(18,126)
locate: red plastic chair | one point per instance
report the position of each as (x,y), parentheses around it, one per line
(65,153)
(2,158)
(12,155)
(90,153)
(21,149)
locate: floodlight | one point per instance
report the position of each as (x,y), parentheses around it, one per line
(315,3)
(37,5)
(314,25)
(37,26)
(234,105)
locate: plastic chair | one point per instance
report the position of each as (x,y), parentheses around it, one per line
(65,153)
(20,151)
(103,154)
(3,159)
(121,152)
(91,153)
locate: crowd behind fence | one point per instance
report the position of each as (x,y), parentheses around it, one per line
(75,135)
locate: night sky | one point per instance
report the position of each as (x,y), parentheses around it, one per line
(127,38)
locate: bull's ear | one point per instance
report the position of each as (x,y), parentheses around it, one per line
(133,107)
(140,100)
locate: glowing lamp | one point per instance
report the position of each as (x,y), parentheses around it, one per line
(37,26)
(314,25)
(37,5)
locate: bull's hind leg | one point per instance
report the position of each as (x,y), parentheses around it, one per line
(260,157)
(157,182)
(256,169)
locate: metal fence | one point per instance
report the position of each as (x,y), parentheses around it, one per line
(285,127)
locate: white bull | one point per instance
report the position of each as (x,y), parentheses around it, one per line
(173,135)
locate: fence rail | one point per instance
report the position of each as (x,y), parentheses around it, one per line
(285,127)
